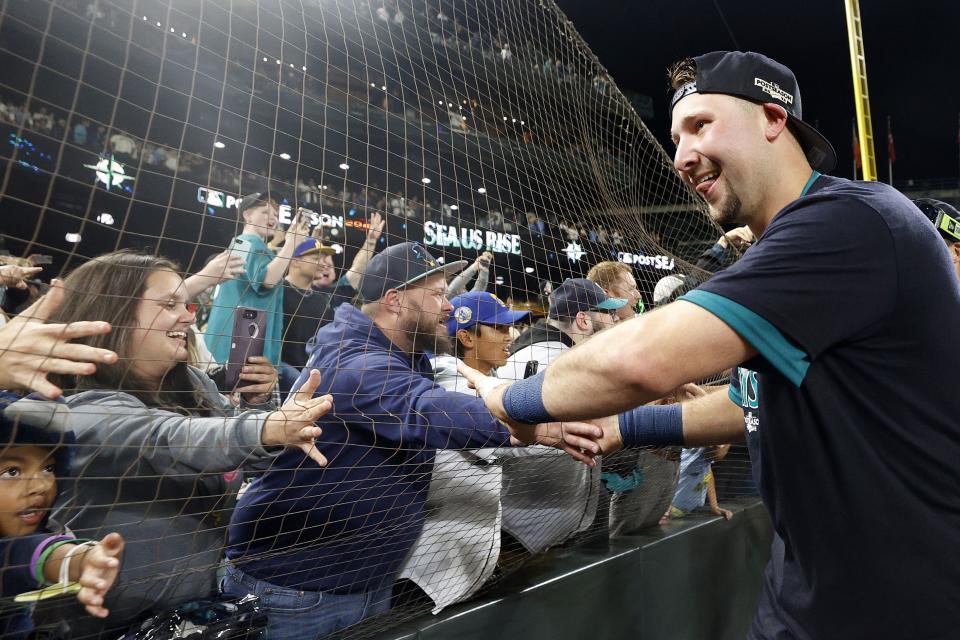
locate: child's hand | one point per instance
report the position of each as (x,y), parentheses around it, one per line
(720,511)
(98,571)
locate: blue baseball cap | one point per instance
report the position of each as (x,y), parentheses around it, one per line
(399,266)
(579,294)
(313,245)
(480,307)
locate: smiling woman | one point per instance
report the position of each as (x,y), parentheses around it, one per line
(152,425)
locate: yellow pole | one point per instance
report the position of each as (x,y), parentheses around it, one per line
(858,64)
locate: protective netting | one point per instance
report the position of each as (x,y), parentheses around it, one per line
(466,127)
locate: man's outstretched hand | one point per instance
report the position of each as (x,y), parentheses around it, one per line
(578,439)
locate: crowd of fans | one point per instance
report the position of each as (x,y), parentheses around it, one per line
(404,486)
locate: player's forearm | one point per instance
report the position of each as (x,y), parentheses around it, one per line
(640,360)
(713,419)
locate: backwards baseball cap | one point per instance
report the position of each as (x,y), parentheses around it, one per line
(579,294)
(480,307)
(311,246)
(943,216)
(401,265)
(756,77)
(251,200)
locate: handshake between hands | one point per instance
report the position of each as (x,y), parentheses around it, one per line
(582,440)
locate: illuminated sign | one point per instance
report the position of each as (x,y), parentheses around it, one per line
(664,263)
(110,173)
(220,200)
(441,235)
(574,251)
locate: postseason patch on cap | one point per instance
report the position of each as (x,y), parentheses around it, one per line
(463,315)
(773,90)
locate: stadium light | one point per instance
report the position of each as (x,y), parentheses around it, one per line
(264,58)
(171,30)
(278,62)
(73,237)
(383,87)
(528,269)
(285,156)
(219,145)
(158,24)
(482,190)
(344,166)
(303,68)
(425,180)
(183,34)
(454,207)
(105,218)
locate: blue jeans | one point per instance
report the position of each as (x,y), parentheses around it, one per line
(300,615)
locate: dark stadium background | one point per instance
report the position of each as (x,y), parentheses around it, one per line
(912,63)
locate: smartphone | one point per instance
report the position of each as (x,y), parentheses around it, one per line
(247,340)
(531,369)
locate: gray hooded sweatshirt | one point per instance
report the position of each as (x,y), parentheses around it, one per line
(167,483)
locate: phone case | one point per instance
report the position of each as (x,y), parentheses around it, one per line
(246,341)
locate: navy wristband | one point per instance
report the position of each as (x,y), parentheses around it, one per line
(523,401)
(656,425)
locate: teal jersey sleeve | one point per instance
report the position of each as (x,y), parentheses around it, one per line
(783,355)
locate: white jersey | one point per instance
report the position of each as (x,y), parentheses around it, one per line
(457,550)
(547,495)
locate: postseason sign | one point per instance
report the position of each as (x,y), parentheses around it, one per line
(441,235)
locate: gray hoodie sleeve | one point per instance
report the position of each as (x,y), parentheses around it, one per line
(459,284)
(120,428)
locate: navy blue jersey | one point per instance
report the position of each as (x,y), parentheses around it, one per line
(849,297)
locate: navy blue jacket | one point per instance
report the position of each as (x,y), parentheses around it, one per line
(347,527)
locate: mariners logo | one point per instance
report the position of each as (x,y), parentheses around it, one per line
(421,254)
(463,315)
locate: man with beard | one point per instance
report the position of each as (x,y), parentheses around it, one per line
(841,350)
(322,545)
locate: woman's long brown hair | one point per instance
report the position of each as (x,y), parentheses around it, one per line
(109,288)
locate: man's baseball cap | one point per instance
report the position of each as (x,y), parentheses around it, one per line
(579,294)
(943,216)
(669,288)
(480,307)
(756,77)
(401,265)
(311,246)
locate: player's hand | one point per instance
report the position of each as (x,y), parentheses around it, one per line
(30,349)
(293,425)
(98,571)
(579,439)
